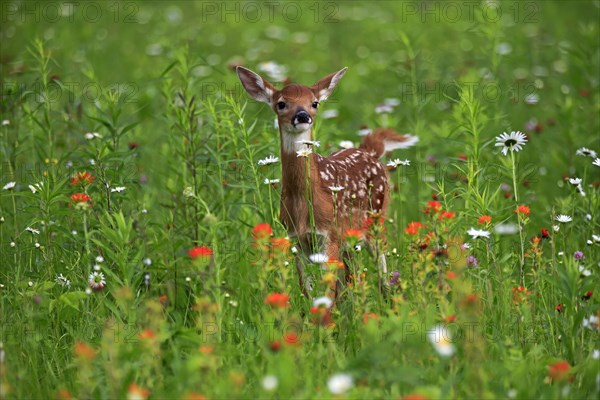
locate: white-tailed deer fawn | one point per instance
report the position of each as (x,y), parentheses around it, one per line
(344,188)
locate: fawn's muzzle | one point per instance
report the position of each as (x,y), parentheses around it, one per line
(301,117)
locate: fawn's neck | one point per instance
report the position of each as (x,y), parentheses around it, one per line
(294,167)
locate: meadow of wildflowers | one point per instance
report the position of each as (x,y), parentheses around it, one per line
(141,252)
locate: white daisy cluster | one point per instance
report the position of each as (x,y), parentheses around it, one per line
(441,341)
(585,152)
(563,219)
(397,162)
(346,144)
(9,186)
(304,152)
(269,160)
(62,281)
(513,141)
(577,183)
(96,281)
(270,181)
(118,189)
(340,383)
(388,106)
(477,233)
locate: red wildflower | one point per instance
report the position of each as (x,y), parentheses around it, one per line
(277,300)
(559,308)
(280,244)
(413,228)
(559,370)
(147,334)
(262,231)
(587,296)
(463,157)
(275,345)
(415,396)
(544,234)
(292,338)
(84,351)
(81,199)
(206,349)
(353,234)
(83,178)
(447,215)
(484,219)
(200,253)
(450,319)
(163,299)
(522,210)
(370,316)
(137,392)
(451,275)
(433,207)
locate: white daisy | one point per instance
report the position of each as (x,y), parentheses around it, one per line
(147,262)
(96,280)
(62,281)
(596,354)
(271,181)
(506,229)
(364,132)
(513,141)
(477,233)
(397,162)
(268,160)
(118,189)
(336,189)
(563,218)
(318,258)
(328,114)
(33,231)
(383,109)
(555,228)
(36,187)
(5,122)
(270,383)
(339,383)
(583,271)
(9,186)
(309,143)
(596,162)
(304,152)
(92,135)
(596,238)
(440,339)
(346,144)
(584,151)
(322,301)
(575,181)
(99,259)
(392,102)
(591,322)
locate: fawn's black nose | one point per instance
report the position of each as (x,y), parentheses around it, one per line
(302,117)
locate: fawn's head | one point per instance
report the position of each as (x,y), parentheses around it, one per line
(295,105)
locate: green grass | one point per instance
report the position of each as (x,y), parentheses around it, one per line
(153,79)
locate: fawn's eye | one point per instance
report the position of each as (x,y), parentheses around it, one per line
(315,104)
(281,105)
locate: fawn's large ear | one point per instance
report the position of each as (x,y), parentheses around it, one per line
(324,87)
(257,87)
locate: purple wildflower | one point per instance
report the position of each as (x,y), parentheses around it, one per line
(472,261)
(578,255)
(395,278)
